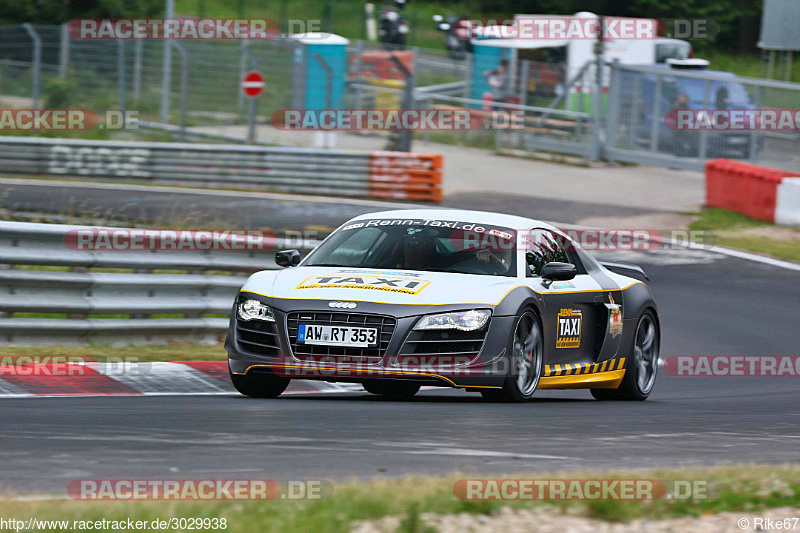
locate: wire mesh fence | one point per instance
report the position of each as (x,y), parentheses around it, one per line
(684,118)
(196,84)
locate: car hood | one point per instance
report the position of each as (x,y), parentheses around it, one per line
(381,286)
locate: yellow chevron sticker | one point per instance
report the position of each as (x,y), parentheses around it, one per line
(575,369)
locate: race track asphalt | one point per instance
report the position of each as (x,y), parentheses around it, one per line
(710,304)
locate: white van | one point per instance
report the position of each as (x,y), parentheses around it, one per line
(554,62)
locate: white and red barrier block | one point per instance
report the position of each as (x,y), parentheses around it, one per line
(787,202)
(762,193)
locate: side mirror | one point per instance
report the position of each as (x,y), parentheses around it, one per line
(287,258)
(556,271)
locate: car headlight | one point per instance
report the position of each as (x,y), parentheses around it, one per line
(255,310)
(461,320)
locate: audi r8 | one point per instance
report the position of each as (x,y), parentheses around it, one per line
(496,304)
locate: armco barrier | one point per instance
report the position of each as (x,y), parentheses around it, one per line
(79,298)
(396,175)
(742,187)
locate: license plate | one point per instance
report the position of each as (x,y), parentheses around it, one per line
(337,336)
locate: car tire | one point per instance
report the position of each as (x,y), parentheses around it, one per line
(526,362)
(260,385)
(640,374)
(393,390)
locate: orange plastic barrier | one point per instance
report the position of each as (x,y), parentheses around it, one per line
(405,176)
(378,64)
(743,187)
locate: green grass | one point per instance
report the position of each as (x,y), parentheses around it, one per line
(737,489)
(149,353)
(748,65)
(782,249)
(735,230)
(716,219)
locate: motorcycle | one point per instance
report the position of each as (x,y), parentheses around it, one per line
(393,27)
(455,41)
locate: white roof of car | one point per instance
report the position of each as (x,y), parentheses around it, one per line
(460,215)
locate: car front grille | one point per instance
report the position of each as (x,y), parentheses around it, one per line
(384,324)
(258,336)
(444,342)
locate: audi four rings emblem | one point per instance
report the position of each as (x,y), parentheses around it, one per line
(342,305)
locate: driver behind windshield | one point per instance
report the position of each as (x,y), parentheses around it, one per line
(420,253)
(501,258)
(488,251)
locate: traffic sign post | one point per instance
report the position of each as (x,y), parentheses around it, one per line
(252,86)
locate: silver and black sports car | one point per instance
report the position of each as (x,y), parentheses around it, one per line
(490,303)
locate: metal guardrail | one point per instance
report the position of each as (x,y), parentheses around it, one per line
(84,296)
(185,134)
(397,175)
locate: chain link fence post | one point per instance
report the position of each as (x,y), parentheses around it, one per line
(184,87)
(359,56)
(121,79)
(137,71)
(654,123)
(36,79)
(63,53)
(597,104)
(244,55)
(166,72)
(523,99)
(612,112)
(704,133)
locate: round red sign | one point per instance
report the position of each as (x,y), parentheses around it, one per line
(253,84)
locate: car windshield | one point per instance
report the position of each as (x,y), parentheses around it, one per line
(426,245)
(722,95)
